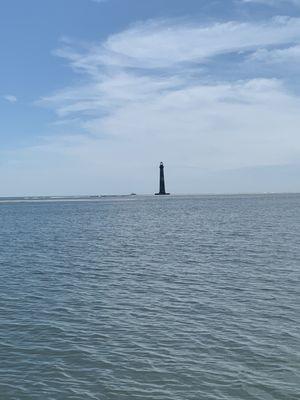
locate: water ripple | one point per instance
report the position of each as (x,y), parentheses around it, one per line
(176,298)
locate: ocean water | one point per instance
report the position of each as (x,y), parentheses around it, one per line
(163,298)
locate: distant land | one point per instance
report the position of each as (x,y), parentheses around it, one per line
(63,198)
(129,196)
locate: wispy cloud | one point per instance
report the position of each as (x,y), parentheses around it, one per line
(99,1)
(274,2)
(146,95)
(290,56)
(165,44)
(10,98)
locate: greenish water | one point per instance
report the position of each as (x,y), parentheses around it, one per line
(150,298)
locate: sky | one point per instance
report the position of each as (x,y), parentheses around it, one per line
(95,93)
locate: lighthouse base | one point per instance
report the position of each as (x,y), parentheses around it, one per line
(162,194)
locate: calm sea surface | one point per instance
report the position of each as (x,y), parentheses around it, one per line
(172,298)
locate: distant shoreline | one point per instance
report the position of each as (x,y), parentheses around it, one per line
(17,199)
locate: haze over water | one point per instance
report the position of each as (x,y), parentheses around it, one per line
(170,298)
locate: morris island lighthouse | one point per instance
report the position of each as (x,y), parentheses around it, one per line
(162,188)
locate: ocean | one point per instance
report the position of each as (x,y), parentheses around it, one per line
(161,298)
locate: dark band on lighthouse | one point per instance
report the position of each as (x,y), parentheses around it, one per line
(162,188)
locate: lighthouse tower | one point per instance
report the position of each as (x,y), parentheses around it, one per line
(162,188)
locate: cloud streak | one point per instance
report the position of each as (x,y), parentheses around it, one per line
(10,98)
(274,2)
(99,1)
(166,44)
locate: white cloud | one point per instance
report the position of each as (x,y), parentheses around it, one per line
(10,98)
(144,98)
(166,44)
(208,128)
(274,2)
(290,56)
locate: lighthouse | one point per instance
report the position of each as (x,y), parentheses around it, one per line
(162,188)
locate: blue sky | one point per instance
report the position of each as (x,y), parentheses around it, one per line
(94,94)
